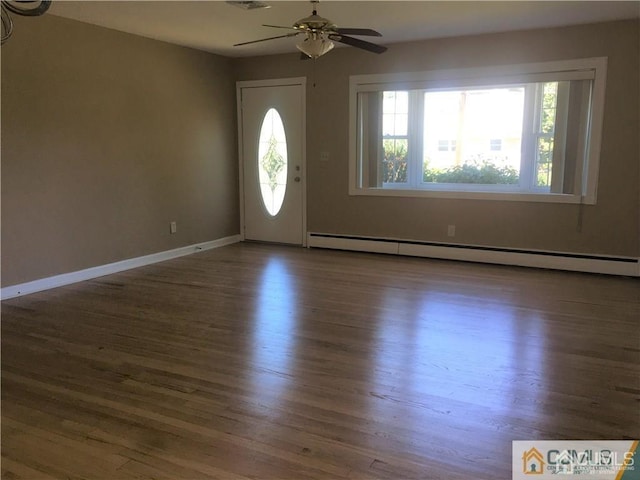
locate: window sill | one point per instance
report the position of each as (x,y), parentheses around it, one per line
(495,196)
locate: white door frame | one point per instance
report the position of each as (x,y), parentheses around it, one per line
(276,82)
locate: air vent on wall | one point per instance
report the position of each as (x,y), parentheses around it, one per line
(249,5)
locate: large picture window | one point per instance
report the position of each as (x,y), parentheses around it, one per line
(527,132)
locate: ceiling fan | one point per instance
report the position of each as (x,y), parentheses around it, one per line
(320,33)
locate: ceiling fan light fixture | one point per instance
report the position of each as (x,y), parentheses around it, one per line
(315,45)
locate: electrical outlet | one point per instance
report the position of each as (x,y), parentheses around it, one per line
(173,227)
(451,231)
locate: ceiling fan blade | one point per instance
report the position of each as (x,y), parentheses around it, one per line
(293,34)
(356,42)
(367,32)
(278,26)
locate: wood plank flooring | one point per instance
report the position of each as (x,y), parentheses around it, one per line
(267,362)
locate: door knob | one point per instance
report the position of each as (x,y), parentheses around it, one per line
(297,179)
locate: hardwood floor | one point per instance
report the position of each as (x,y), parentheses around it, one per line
(270,362)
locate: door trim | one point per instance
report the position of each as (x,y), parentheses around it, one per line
(275,82)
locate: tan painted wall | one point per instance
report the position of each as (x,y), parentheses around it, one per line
(106,138)
(610,227)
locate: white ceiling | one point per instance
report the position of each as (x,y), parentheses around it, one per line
(215,26)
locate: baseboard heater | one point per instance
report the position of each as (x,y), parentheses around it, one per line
(577,262)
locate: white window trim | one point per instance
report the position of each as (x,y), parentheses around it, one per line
(528,72)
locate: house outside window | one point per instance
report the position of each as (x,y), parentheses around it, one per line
(446,145)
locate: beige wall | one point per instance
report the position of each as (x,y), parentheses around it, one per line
(106,138)
(610,227)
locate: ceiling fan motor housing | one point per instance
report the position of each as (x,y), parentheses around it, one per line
(314,23)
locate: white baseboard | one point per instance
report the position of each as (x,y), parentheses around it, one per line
(99,271)
(627,266)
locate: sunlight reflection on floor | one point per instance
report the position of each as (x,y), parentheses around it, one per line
(274,331)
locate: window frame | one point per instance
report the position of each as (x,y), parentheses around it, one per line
(594,69)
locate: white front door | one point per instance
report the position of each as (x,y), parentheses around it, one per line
(272,142)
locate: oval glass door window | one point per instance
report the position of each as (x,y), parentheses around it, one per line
(272,162)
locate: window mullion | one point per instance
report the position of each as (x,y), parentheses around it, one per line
(414,139)
(559,139)
(529,137)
